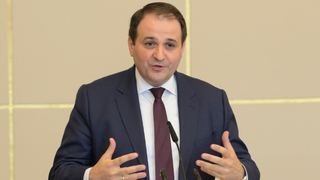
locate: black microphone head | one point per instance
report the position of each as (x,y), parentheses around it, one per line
(172,132)
(163,174)
(175,139)
(196,174)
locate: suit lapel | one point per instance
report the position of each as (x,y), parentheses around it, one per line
(128,105)
(188,117)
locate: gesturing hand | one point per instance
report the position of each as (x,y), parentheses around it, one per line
(109,169)
(227,167)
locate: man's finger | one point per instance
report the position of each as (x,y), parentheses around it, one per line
(122,159)
(226,141)
(212,169)
(139,175)
(109,152)
(212,158)
(132,169)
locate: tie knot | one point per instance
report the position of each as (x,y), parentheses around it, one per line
(157,92)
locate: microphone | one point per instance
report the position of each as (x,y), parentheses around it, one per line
(196,174)
(163,174)
(175,140)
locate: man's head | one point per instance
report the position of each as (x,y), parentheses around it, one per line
(159,9)
(157,42)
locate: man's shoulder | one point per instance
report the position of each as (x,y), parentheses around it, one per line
(112,80)
(110,84)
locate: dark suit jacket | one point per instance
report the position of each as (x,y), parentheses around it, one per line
(109,107)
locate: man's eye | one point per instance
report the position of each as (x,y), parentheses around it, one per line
(170,45)
(149,44)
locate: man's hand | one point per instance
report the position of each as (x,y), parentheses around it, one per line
(109,169)
(227,167)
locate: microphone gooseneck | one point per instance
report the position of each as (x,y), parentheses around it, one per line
(175,140)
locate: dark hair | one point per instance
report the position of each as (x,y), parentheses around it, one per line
(158,8)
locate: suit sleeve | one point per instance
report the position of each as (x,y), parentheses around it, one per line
(237,144)
(74,154)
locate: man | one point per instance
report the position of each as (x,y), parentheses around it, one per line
(110,132)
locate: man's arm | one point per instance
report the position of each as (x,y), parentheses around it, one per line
(234,154)
(75,155)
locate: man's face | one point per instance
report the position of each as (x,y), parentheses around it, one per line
(158,49)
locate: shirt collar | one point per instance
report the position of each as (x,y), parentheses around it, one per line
(142,85)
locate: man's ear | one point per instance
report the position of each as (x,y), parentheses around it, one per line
(130,45)
(183,46)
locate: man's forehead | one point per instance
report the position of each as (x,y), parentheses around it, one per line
(149,22)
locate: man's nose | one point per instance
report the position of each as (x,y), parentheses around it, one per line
(159,53)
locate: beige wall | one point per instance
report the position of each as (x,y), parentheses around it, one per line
(265,54)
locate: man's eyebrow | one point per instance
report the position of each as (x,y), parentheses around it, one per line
(172,40)
(149,37)
(153,38)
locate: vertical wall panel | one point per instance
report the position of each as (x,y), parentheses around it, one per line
(60,45)
(4,145)
(282,138)
(4,99)
(3,53)
(38,134)
(257,49)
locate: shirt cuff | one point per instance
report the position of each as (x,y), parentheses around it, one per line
(86,174)
(246,177)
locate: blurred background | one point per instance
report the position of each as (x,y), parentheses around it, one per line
(265,54)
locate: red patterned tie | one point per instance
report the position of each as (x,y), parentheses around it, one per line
(163,153)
